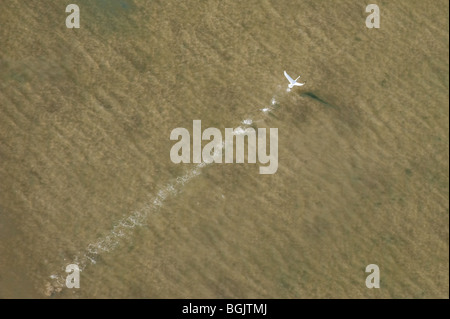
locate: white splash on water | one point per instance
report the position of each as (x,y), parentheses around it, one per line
(124,227)
(240,130)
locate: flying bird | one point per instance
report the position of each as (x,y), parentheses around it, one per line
(292,82)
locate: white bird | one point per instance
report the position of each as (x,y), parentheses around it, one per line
(292,82)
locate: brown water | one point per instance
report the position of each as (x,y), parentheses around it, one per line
(85,173)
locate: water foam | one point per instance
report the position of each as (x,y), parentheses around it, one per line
(124,227)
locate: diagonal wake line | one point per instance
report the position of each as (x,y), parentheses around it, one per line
(124,227)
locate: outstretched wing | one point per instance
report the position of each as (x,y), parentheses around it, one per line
(299,84)
(289,78)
